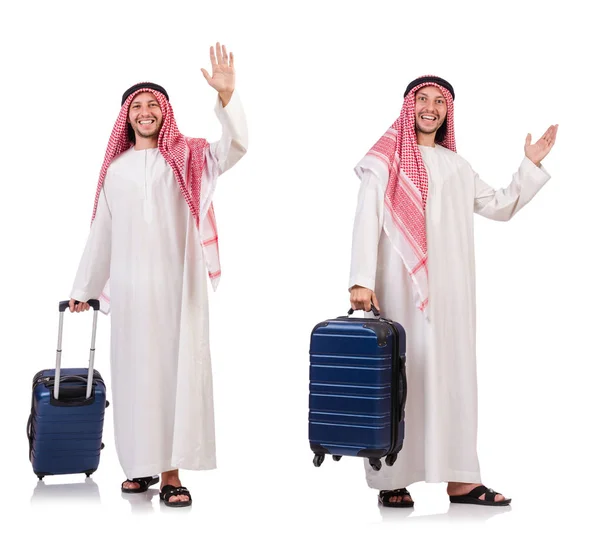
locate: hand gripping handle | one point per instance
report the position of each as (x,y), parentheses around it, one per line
(375,311)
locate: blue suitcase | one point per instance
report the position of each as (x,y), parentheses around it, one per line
(357,391)
(67,414)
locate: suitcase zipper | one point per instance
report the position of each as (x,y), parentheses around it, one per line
(397,404)
(50,380)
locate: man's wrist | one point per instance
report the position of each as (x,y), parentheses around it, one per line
(536,163)
(225,97)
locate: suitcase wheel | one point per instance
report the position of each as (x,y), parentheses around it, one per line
(391,459)
(375,464)
(336,458)
(40,477)
(318,460)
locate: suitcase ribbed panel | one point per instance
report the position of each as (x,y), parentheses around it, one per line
(350,388)
(66,439)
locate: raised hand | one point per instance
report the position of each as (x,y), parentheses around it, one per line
(540,150)
(223,73)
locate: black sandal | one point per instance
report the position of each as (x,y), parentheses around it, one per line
(144,482)
(169,491)
(385,495)
(473,497)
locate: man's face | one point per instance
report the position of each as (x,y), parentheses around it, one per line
(145,115)
(430,109)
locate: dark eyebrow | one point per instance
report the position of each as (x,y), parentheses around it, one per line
(423,93)
(149,102)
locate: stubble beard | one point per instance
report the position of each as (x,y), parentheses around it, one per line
(433,130)
(147,135)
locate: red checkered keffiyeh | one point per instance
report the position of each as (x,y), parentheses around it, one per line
(406,193)
(185,155)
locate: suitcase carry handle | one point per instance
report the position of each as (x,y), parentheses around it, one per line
(62,306)
(404,394)
(375,311)
(29,433)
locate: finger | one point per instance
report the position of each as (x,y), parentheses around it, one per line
(548,136)
(367,304)
(376,302)
(528,140)
(547,132)
(554,135)
(356,303)
(71,305)
(551,134)
(206,75)
(225,58)
(213,59)
(231,59)
(219,54)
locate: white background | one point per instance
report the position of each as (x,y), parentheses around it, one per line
(320,82)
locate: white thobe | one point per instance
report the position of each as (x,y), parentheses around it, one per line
(441,409)
(145,239)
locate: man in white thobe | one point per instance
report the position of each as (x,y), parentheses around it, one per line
(413,259)
(154,237)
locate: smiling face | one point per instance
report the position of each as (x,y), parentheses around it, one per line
(145,116)
(430,111)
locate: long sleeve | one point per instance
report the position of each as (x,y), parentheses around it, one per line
(228,150)
(503,204)
(368,223)
(223,154)
(94,266)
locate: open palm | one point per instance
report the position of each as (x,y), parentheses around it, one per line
(538,151)
(223,72)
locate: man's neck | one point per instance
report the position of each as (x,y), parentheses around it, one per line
(143,143)
(424,139)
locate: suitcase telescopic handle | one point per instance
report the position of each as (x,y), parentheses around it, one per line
(62,306)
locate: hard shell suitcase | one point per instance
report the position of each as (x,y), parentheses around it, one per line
(357,391)
(67,414)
